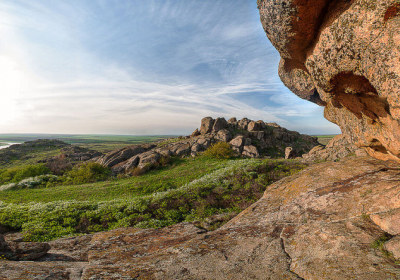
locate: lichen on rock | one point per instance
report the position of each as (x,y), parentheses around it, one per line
(343,55)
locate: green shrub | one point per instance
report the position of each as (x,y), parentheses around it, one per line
(17,174)
(220,150)
(87,173)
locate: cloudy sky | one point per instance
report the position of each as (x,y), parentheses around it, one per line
(138,67)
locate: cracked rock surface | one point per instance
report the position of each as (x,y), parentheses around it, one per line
(343,54)
(317,224)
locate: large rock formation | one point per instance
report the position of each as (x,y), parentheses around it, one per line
(334,220)
(248,138)
(343,55)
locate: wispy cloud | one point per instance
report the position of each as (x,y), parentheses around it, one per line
(139,67)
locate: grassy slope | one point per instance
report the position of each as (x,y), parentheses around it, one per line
(192,190)
(182,171)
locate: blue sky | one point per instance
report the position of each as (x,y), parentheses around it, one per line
(140,67)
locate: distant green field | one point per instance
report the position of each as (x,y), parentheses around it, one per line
(83,138)
(324,139)
(101,143)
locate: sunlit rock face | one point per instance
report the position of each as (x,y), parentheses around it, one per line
(344,55)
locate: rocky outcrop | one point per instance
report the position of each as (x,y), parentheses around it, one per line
(22,251)
(322,223)
(338,147)
(343,55)
(248,138)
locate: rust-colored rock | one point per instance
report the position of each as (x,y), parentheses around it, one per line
(343,55)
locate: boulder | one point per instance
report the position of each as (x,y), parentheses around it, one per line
(195,133)
(250,151)
(224,135)
(261,124)
(393,246)
(242,124)
(204,142)
(238,141)
(219,124)
(126,165)
(183,150)
(197,148)
(338,147)
(289,153)
(206,125)
(343,55)
(232,120)
(22,251)
(118,156)
(150,157)
(253,126)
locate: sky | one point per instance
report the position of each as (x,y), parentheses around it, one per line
(140,67)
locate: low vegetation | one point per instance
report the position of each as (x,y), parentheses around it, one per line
(191,189)
(220,150)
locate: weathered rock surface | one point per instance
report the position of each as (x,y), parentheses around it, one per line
(343,55)
(317,224)
(206,125)
(248,138)
(22,251)
(339,147)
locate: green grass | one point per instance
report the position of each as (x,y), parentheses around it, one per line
(84,138)
(181,171)
(188,190)
(324,139)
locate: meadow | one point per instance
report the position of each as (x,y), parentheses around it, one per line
(205,190)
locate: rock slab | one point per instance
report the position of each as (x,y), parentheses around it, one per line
(317,224)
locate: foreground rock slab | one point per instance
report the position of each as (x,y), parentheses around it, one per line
(317,224)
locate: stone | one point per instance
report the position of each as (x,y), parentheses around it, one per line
(343,55)
(164,152)
(120,155)
(247,141)
(312,225)
(242,124)
(224,135)
(204,142)
(206,125)
(238,141)
(289,153)
(261,124)
(126,165)
(250,151)
(389,221)
(183,150)
(260,135)
(393,246)
(253,126)
(197,148)
(338,147)
(150,157)
(195,133)
(22,251)
(232,120)
(219,124)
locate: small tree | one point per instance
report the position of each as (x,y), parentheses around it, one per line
(220,150)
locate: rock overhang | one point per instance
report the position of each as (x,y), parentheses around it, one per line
(343,55)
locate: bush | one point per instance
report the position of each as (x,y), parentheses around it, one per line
(41,181)
(14,175)
(87,173)
(220,150)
